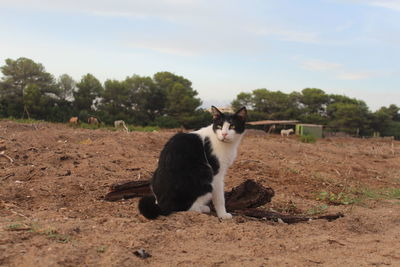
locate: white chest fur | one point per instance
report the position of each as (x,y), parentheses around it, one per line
(224,151)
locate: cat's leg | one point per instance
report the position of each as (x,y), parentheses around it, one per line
(218,198)
(200,205)
(205,209)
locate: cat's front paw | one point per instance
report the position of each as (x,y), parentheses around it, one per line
(225,216)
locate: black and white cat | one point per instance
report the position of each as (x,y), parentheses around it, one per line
(192,167)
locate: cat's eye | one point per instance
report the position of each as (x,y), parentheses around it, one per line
(219,127)
(232,127)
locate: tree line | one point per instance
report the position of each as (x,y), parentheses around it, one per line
(313,105)
(165,100)
(27,90)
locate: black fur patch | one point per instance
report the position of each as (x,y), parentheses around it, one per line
(183,173)
(232,119)
(212,160)
(149,208)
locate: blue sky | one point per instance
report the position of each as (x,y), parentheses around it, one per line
(224,47)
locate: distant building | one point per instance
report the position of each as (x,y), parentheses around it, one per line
(309,129)
(301,128)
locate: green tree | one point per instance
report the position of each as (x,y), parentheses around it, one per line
(350,117)
(380,120)
(314,100)
(392,111)
(38,105)
(146,98)
(11,104)
(276,104)
(386,121)
(181,100)
(114,104)
(18,76)
(89,91)
(243,100)
(392,129)
(333,98)
(66,86)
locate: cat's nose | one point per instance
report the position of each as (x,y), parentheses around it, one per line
(224,134)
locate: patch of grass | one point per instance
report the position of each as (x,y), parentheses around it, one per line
(50,233)
(101,249)
(379,194)
(23,120)
(143,128)
(17,227)
(86,142)
(89,126)
(53,234)
(287,207)
(317,209)
(84,125)
(393,193)
(307,139)
(325,179)
(340,198)
(295,171)
(358,196)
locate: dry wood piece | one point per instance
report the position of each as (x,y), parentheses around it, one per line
(241,200)
(7,176)
(128,190)
(5,156)
(248,194)
(289,219)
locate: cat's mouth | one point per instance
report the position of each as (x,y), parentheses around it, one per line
(226,140)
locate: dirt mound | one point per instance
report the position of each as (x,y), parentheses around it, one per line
(52,211)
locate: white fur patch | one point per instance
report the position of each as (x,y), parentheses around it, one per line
(224,147)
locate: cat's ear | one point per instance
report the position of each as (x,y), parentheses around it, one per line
(215,113)
(242,113)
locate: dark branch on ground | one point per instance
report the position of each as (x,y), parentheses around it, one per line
(241,200)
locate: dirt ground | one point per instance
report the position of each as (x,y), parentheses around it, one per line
(52,211)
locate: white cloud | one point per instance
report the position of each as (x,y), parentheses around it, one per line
(319,65)
(390,4)
(288,35)
(338,70)
(168,9)
(170,48)
(357,75)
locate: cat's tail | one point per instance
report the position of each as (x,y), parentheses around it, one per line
(149,208)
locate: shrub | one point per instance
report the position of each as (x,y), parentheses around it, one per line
(166,122)
(308,139)
(143,128)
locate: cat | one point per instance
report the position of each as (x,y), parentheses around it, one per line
(192,166)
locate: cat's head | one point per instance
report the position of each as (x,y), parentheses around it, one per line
(228,127)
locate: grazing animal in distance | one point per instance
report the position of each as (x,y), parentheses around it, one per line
(192,167)
(74,120)
(286,132)
(93,120)
(121,123)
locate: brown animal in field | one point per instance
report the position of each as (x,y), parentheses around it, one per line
(93,120)
(74,120)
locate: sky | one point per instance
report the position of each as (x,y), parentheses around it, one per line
(224,47)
